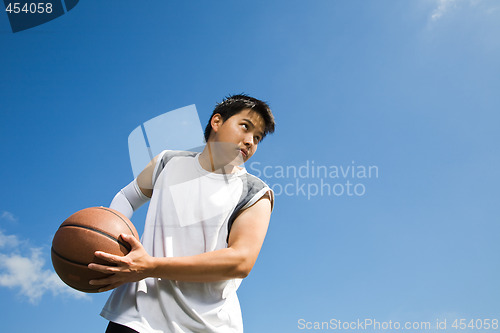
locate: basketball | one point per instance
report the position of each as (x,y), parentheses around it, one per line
(80,235)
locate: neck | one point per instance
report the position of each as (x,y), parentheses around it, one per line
(209,161)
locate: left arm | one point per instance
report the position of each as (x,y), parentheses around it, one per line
(236,261)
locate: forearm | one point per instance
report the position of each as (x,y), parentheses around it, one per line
(129,199)
(223,264)
(235,261)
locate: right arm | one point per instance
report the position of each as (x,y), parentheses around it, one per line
(145,178)
(137,193)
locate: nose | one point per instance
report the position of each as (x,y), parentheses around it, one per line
(248,139)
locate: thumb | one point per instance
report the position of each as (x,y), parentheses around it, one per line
(134,242)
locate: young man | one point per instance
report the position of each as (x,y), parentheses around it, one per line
(204,229)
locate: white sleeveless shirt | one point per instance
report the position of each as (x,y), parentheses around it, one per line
(191,212)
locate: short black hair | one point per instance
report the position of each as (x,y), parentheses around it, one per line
(234,104)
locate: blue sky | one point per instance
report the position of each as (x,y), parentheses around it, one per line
(409,87)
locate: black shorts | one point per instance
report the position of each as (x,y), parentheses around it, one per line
(117,328)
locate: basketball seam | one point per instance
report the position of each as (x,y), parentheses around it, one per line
(76,263)
(69,260)
(125,245)
(109,210)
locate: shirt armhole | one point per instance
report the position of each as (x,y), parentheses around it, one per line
(259,195)
(159,162)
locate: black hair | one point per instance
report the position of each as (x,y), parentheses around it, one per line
(234,104)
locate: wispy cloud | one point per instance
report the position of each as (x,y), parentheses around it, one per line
(26,271)
(8,241)
(444,7)
(8,216)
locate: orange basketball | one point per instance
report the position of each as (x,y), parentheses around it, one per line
(83,233)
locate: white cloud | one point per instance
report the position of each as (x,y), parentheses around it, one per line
(8,216)
(8,241)
(443,6)
(27,272)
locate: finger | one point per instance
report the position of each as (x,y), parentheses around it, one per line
(104,268)
(110,287)
(111,280)
(134,242)
(106,283)
(102,282)
(108,257)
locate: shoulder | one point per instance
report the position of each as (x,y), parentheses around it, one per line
(255,189)
(257,199)
(254,183)
(167,156)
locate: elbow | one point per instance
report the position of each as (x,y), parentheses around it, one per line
(243,267)
(241,263)
(242,272)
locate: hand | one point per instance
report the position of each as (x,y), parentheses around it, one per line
(135,266)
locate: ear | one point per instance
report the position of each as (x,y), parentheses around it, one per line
(216,122)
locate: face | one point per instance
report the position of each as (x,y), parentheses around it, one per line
(237,138)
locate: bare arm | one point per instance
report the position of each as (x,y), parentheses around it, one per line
(145,178)
(235,261)
(135,194)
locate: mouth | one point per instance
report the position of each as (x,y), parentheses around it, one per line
(244,152)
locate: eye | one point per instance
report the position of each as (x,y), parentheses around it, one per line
(257,138)
(245,126)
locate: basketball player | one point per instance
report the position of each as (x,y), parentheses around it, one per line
(204,229)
